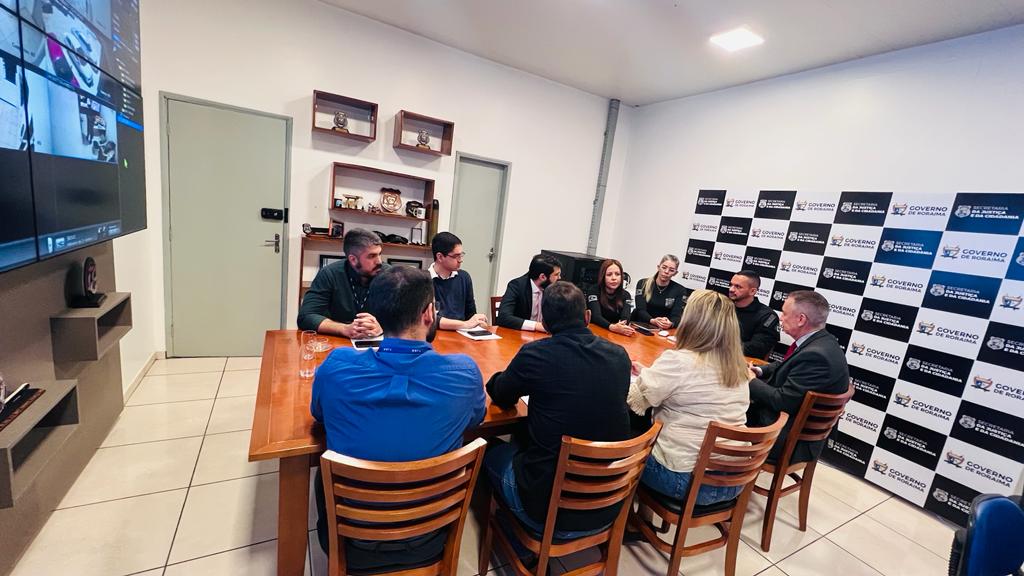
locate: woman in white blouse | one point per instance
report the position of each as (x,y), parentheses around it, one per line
(703,379)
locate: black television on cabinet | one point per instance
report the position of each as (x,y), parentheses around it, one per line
(579,268)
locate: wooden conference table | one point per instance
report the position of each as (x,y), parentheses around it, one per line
(283,428)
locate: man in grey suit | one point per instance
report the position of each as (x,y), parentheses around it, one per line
(813,363)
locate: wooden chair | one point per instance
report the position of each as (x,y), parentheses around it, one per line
(817,416)
(495,303)
(589,476)
(398,500)
(719,463)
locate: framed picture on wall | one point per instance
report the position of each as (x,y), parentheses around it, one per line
(405,262)
(328,259)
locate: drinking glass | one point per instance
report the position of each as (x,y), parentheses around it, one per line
(321,346)
(307,354)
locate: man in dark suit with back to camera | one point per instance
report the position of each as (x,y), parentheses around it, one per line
(336,300)
(759,326)
(813,363)
(521,305)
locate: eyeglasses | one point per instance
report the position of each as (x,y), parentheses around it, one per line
(667,269)
(458,256)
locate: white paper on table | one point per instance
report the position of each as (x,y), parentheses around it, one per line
(469,334)
(526,400)
(367,343)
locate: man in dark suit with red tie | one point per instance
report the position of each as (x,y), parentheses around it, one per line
(813,363)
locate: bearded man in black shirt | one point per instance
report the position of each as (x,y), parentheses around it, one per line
(759,325)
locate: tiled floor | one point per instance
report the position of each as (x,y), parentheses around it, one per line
(171,492)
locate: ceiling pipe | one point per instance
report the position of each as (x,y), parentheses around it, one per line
(602,176)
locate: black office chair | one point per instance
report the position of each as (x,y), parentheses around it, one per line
(993,542)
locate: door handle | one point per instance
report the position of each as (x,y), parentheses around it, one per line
(490,255)
(276,243)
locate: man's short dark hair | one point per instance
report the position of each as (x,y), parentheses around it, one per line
(563,307)
(543,264)
(443,242)
(754,277)
(813,305)
(359,240)
(397,297)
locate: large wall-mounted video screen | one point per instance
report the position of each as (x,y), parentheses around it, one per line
(17,224)
(103,32)
(71,127)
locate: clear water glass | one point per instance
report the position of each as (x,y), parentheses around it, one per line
(307,354)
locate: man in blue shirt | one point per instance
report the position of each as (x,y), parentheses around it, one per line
(401,402)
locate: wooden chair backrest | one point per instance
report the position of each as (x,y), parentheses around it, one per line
(594,475)
(732,456)
(814,421)
(819,414)
(396,500)
(495,303)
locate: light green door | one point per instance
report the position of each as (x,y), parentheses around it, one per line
(225,260)
(477,216)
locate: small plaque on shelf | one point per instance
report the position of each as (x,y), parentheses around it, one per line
(390,200)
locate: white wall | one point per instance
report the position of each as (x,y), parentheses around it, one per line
(270,55)
(945,117)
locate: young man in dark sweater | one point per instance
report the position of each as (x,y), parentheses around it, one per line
(453,288)
(577,384)
(759,325)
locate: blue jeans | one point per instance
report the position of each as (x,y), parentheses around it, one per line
(498,466)
(677,484)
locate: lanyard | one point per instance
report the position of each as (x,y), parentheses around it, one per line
(360,304)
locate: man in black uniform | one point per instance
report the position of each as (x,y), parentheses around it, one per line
(759,326)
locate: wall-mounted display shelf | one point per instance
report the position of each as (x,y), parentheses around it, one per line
(409,126)
(361,116)
(32,439)
(365,183)
(324,244)
(84,334)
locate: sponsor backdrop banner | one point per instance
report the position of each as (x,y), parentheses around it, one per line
(927,297)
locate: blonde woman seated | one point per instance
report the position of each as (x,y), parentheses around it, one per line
(703,379)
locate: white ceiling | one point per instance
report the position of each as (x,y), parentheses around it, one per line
(646,51)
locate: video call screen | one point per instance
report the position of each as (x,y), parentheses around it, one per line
(103,32)
(17,228)
(71,133)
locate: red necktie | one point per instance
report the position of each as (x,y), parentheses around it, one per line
(790,350)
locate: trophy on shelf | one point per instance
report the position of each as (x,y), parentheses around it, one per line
(390,200)
(341,122)
(423,140)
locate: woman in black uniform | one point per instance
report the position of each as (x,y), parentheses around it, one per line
(611,306)
(659,300)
